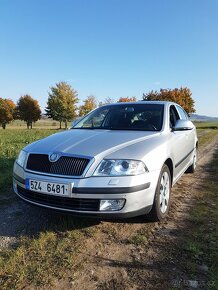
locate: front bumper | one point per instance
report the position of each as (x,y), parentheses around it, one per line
(137,191)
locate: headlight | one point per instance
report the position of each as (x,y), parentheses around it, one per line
(120,167)
(22,158)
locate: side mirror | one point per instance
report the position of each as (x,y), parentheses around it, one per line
(183,125)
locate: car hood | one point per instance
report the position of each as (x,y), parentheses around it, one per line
(89,142)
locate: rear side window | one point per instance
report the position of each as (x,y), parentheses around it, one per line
(182,113)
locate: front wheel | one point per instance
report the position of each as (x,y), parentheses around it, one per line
(162,197)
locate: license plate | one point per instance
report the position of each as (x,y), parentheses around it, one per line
(48,187)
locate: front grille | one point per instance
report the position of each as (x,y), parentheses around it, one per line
(80,204)
(65,165)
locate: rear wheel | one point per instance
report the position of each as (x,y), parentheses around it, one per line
(191,168)
(162,197)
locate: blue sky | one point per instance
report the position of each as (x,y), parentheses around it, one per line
(112,48)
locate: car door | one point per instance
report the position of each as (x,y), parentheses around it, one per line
(189,134)
(181,145)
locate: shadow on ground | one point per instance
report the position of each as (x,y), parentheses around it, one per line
(21,219)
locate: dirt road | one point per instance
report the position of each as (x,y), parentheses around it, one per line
(127,254)
(137,254)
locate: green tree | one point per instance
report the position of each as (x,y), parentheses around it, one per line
(90,103)
(182,96)
(61,104)
(7,108)
(28,110)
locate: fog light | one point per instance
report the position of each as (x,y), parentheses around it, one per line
(111,204)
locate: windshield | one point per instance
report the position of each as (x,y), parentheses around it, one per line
(138,117)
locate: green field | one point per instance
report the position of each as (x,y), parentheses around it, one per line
(41,124)
(40,259)
(204,125)
(11,142)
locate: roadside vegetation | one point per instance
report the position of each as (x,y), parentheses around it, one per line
(41,260)
(206,135)
(206,125)
(11,142)
(201,247)
(52,254)
(43,123)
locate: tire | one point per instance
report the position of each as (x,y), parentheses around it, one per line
(162,196)
(191,168)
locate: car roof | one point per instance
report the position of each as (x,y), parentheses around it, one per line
(143,103)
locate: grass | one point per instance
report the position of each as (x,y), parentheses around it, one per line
(11,142)
(205,136)
(40,124)
(206,125)
(39,260)
(201,238)
(138,240)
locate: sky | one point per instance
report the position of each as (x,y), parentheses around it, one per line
(110,48)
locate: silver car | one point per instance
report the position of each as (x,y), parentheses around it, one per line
(120,160)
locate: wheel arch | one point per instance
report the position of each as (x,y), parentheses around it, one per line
(169,163)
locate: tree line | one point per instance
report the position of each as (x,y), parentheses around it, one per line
(63,99)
